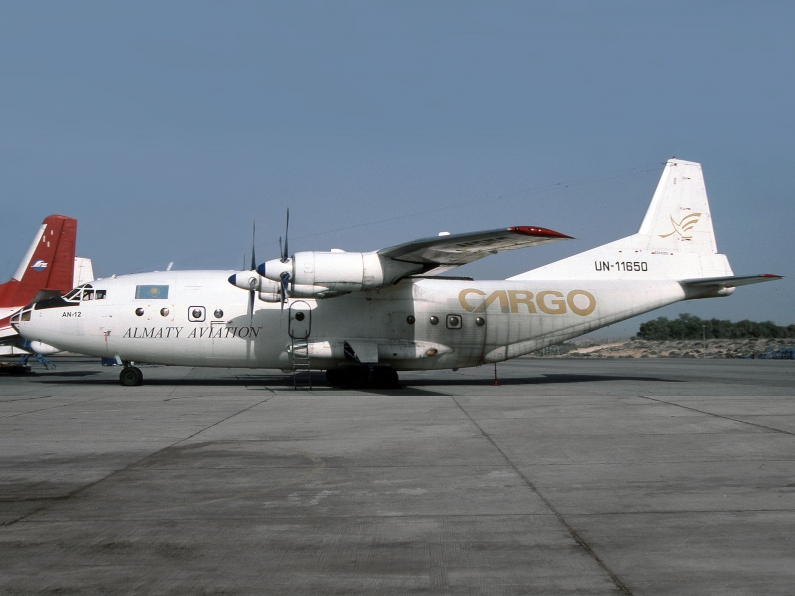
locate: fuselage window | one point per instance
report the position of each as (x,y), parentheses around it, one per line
(101,294)
(88,295)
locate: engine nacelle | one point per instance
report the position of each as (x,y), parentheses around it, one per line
(333,273)
(270,291)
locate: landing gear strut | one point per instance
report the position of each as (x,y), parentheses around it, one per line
(380,377)
(131,376)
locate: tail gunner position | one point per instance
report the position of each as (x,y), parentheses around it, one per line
(368,315)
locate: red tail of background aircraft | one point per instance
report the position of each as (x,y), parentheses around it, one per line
(48,265)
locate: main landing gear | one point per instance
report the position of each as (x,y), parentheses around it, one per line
(131,376)
(380,377)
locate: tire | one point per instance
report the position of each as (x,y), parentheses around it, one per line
(386,377)
(355,377)
(335,377)
(131,376)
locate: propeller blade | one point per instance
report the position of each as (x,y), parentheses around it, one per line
(286,251)
(285,277)
(253,239)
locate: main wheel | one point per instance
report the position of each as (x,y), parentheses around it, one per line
(335,377)
(353,377)
(386,377)
(131,376)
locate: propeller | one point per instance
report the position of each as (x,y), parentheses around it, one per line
(285,256)
(253,281)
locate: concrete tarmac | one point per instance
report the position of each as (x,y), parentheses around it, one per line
(572,477)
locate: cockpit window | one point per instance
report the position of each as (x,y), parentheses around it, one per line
(85,292)
(151,292)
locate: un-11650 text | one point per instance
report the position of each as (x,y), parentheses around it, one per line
(621,266)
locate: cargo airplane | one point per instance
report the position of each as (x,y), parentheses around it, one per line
(362,317)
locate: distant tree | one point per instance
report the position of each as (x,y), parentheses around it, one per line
(689,326)
(656,329)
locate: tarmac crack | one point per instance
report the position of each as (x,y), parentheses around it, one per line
(574,534)
(670,403)
(77,491)
(72,403)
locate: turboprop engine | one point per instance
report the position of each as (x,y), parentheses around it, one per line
(269,291)
(325,274)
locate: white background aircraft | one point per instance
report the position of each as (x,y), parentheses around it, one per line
(49,267)
(364,316)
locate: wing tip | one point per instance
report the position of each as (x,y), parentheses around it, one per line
(538,232)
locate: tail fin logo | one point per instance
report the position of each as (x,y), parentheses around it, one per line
(39,265)
(683,227)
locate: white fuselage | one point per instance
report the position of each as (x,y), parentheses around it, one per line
(205,321)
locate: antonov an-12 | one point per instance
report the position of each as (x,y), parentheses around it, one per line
(362,317)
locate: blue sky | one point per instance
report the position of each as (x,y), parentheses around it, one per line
(165,128)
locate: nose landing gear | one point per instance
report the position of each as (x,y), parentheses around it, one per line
(131,376)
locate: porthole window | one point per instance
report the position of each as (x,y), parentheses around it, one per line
(434,320)
(164,312)
(218,313)
(454,321)
(139,312)
(480,321)
(299,316)
(196,314)
(410,319)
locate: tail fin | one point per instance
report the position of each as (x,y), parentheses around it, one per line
(675,241)
(47,265)
(84,271)
(678,217)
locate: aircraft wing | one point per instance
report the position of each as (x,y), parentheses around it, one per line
(452,250)
(731,281)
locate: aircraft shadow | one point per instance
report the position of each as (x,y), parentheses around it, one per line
(412,387)
(67,373)
(542,380)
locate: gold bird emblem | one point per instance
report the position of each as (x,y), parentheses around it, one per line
(683,227)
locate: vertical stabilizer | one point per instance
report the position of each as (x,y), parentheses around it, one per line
(675,241)
(678,217)
(48,263)
(84,271)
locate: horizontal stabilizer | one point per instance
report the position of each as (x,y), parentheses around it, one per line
(730,281)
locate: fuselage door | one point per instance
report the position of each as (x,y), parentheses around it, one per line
(300,324)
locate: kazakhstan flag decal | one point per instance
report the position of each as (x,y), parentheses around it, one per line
(151,292)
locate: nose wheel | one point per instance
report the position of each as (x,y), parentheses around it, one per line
(131,376)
